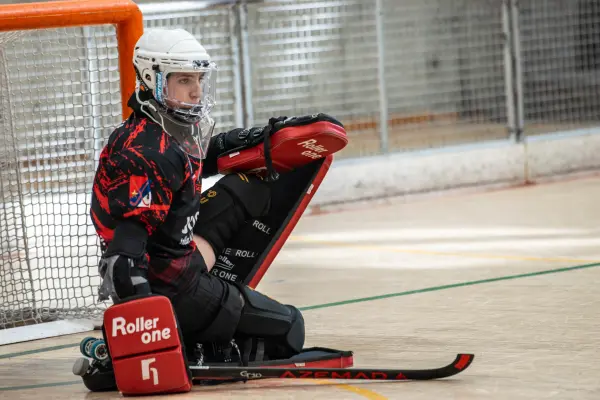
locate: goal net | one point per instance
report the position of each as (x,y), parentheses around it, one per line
(60,97)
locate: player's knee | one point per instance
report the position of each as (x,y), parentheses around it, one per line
(269,319)
(207,251)
(234,199)
(206,318)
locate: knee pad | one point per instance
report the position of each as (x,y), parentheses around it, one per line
(234,199)
(266,318)
(221,328)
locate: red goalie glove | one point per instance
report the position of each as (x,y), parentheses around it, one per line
(293,142)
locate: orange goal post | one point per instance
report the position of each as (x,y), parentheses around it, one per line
(66,74)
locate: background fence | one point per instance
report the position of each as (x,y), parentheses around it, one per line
(402,75)
(405,75)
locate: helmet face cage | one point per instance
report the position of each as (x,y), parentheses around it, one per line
(196,142)
(190,112)
(196,118)
(206,126)
(184,110)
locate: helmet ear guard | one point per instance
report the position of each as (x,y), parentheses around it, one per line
(149,78)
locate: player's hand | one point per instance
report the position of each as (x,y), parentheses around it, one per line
(240,138)
(284,122)
(244,138)
(122,277)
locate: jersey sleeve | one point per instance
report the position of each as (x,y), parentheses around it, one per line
(142,183)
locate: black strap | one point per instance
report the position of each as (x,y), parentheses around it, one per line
(260,350)
(272,175)
(247,350)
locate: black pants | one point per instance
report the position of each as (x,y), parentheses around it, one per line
(216,311)
(209,311)
(212,310)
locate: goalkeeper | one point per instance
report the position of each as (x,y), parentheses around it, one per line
(159,234)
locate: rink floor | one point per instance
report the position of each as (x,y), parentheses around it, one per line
(510,275)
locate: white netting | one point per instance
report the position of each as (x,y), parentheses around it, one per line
(560,41)
(60,98)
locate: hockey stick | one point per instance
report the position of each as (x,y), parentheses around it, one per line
(461,363)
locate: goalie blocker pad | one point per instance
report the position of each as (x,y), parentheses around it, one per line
(247,256)
(145,347)
(301,152)
(300,141)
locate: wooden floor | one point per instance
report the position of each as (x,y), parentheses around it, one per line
(512,276)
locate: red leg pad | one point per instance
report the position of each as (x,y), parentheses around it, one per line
(291,147)
(145,347)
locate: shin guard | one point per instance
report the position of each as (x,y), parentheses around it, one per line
(295,157)
(248,254)
(280,325)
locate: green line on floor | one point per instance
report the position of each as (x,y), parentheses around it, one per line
(451,286)
(326,305)
(41,385)
(40,350)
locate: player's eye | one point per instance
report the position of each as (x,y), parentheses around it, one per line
(184,81)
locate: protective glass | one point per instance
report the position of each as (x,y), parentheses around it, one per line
(195,138)
(191,93)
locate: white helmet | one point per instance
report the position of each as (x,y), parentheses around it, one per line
(160,52)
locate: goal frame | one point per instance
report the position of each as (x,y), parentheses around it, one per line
(127,18)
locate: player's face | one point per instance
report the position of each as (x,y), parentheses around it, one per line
(184,88)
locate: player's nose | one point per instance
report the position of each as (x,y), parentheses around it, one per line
(196,92)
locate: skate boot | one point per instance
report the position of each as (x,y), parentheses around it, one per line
(95,368)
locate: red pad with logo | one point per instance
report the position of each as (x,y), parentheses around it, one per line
(145,348)
(291,147)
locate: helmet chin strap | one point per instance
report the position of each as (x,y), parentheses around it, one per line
(185,117)
(150,110)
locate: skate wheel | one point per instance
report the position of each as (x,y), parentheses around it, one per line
(98,351)
(85,346)
(81,366)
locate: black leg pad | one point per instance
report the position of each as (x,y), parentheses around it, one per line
(279,324)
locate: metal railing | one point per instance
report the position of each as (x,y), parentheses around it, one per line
(438,73)
(402,75)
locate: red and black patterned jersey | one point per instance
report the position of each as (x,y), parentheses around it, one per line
(144,177)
